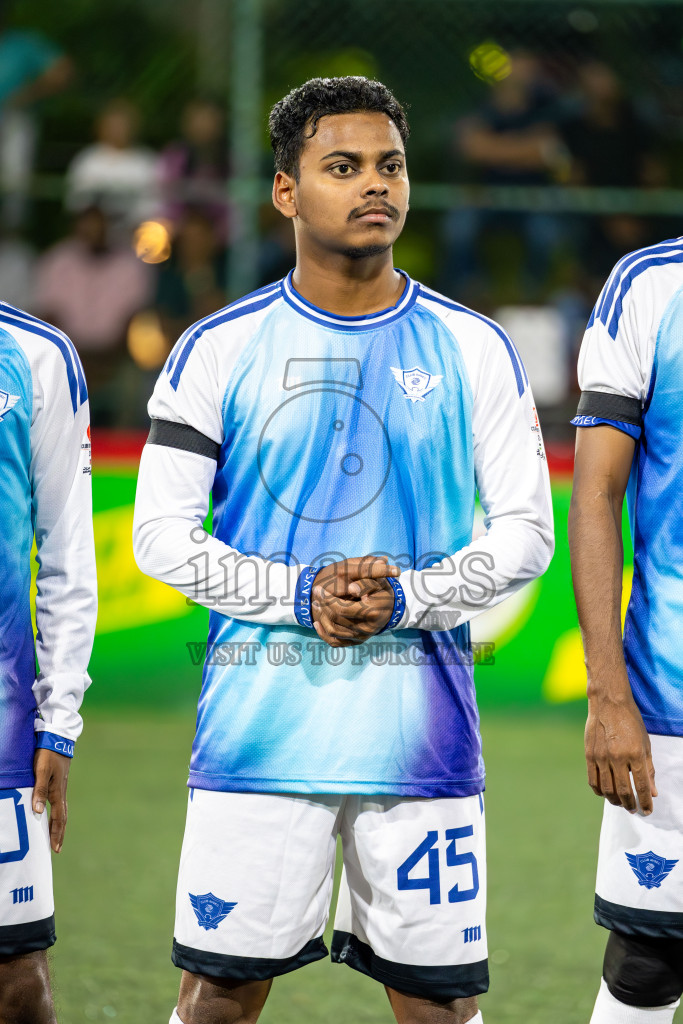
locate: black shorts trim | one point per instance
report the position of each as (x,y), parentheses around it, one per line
(184,437)
(244,968)
(654,924)
(439,984)
(610,407)
(16,939)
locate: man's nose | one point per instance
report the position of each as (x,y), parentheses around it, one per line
(375,187)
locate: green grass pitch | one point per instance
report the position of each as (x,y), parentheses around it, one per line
(115,880)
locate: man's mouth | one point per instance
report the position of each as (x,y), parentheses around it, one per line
(376,214)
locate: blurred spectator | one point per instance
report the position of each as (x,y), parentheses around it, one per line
(610,145)
(115,173)
(90,288)
(17,268)
(511,140)
(191,283)
(193,170)
(31,69)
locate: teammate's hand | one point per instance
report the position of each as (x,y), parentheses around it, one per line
(52,772)
(618,747)
(352,600)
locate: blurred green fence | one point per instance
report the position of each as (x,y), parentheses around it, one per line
(439,56)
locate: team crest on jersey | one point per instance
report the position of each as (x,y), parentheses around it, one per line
(416,383)
(7,402)
(210,910)
(649,868)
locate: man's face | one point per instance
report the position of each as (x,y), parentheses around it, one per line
(352,193)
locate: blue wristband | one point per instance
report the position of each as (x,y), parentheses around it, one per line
(399,604)
(302,595)
(50,741)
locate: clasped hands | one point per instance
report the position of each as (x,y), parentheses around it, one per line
(352,601)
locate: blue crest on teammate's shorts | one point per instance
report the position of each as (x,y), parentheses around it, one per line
(210,910)
(649,868)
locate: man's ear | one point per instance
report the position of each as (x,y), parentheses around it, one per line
(283,194)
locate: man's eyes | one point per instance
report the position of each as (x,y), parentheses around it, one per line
(345,170)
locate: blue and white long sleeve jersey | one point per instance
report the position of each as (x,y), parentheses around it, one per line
(631,377)
(46,493)
(323,437)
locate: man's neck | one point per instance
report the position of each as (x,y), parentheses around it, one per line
(356,287)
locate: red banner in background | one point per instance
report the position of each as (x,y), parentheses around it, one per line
(126,446)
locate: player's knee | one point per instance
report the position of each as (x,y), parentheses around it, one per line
(25,996)
(643,972)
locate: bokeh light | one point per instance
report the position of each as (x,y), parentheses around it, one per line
(490,61)
(147,343)
(152,241)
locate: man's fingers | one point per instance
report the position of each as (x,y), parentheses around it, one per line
(58,815)
(623,787)
(378,570)
(351,612)
(40,790)
(335,629)
(641,780)
(606,783)
(367,586)
(327,634)
(593,776)
(651,774)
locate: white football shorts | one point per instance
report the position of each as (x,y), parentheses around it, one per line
(256,876)
(639,888)
(27,917)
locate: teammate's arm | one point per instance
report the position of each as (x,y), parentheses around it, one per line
(616,740)
(615,367)
(66,590)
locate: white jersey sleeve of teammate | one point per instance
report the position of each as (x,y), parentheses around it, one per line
(174,490)
(514,491)
(66,585)
(618,348)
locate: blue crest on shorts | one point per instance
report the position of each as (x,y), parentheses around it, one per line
(210,910)
(649,868)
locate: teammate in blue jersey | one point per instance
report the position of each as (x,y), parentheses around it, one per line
(46,496)
(630,421)
(341,420)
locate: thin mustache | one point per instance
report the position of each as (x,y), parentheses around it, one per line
(360,210)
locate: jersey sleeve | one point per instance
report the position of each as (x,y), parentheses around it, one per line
(514,491)
(66,586)
(175,480)
(617,352)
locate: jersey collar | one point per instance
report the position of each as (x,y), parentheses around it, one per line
(369,322)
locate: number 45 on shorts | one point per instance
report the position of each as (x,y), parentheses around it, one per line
(429,850)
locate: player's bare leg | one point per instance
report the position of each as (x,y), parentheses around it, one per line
(414,1010)
(205,1000)
(25,992)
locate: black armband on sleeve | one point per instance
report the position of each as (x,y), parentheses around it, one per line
(184,437)
(610,407)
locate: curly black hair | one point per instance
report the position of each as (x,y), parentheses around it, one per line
(302,108)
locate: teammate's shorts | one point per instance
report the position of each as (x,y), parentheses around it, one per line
(27,915)
(639,889)
(256,876)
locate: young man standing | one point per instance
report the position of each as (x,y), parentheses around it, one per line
(46,494)
(630,421)
(342,420)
